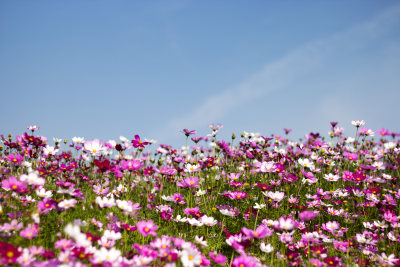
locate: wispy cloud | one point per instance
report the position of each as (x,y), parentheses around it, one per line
(283,73)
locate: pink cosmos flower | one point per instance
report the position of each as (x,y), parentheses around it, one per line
(235,195)
(307,215)
(245,261)
(286,223)
(189,132)
(147,228)
(383,132)
(13,226)
(330,226)
(217,258)
(178,199)
(12,183)
(189,182)
(350,156)
(30,231)
(131,165)
(390,216)
(261,232)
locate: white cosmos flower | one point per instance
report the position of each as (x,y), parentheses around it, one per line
(267,248)
(209,221)
(95,147)
(50,150)
(191,168)
(258,206)
(43,193)
(179,218)
(194,222)
(306,163)
(104,254)
(190,257)
(358,123)
(75,232)
(331,177)
(32,178)
(78,140)
(105,202)
(67,203)
(200,192)
(111,235)
(276,196)
(201,241)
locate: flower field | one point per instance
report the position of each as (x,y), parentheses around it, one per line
(248,201)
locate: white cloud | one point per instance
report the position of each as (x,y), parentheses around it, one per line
(285,73)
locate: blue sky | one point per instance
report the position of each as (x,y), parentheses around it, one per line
(109,68)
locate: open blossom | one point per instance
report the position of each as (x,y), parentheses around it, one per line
(30,231)
(286,224)
(365,131)
(306,163)
(32,178)
(235,195)
(138,143)
(331,177)
(146,228)
(190,257)
(209,221)
(105,202)
(95,147)
(50,150)
(106,255)
(192,168)
(358,123)
(275,196)
(267,248)
(390,260)
(261,232)
(189,182)
(67,203)
(217,258)
(12,183)
(331,226)
(15,158)
(43,193)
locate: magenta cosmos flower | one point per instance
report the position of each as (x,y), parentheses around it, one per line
(236,195)
(138,143)
(146,228)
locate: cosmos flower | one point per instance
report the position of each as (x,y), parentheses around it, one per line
(95,147)
(138,143)
(30,231)
(189,132)
(146,228)
(189,182)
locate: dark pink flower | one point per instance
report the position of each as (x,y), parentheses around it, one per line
(138,143)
